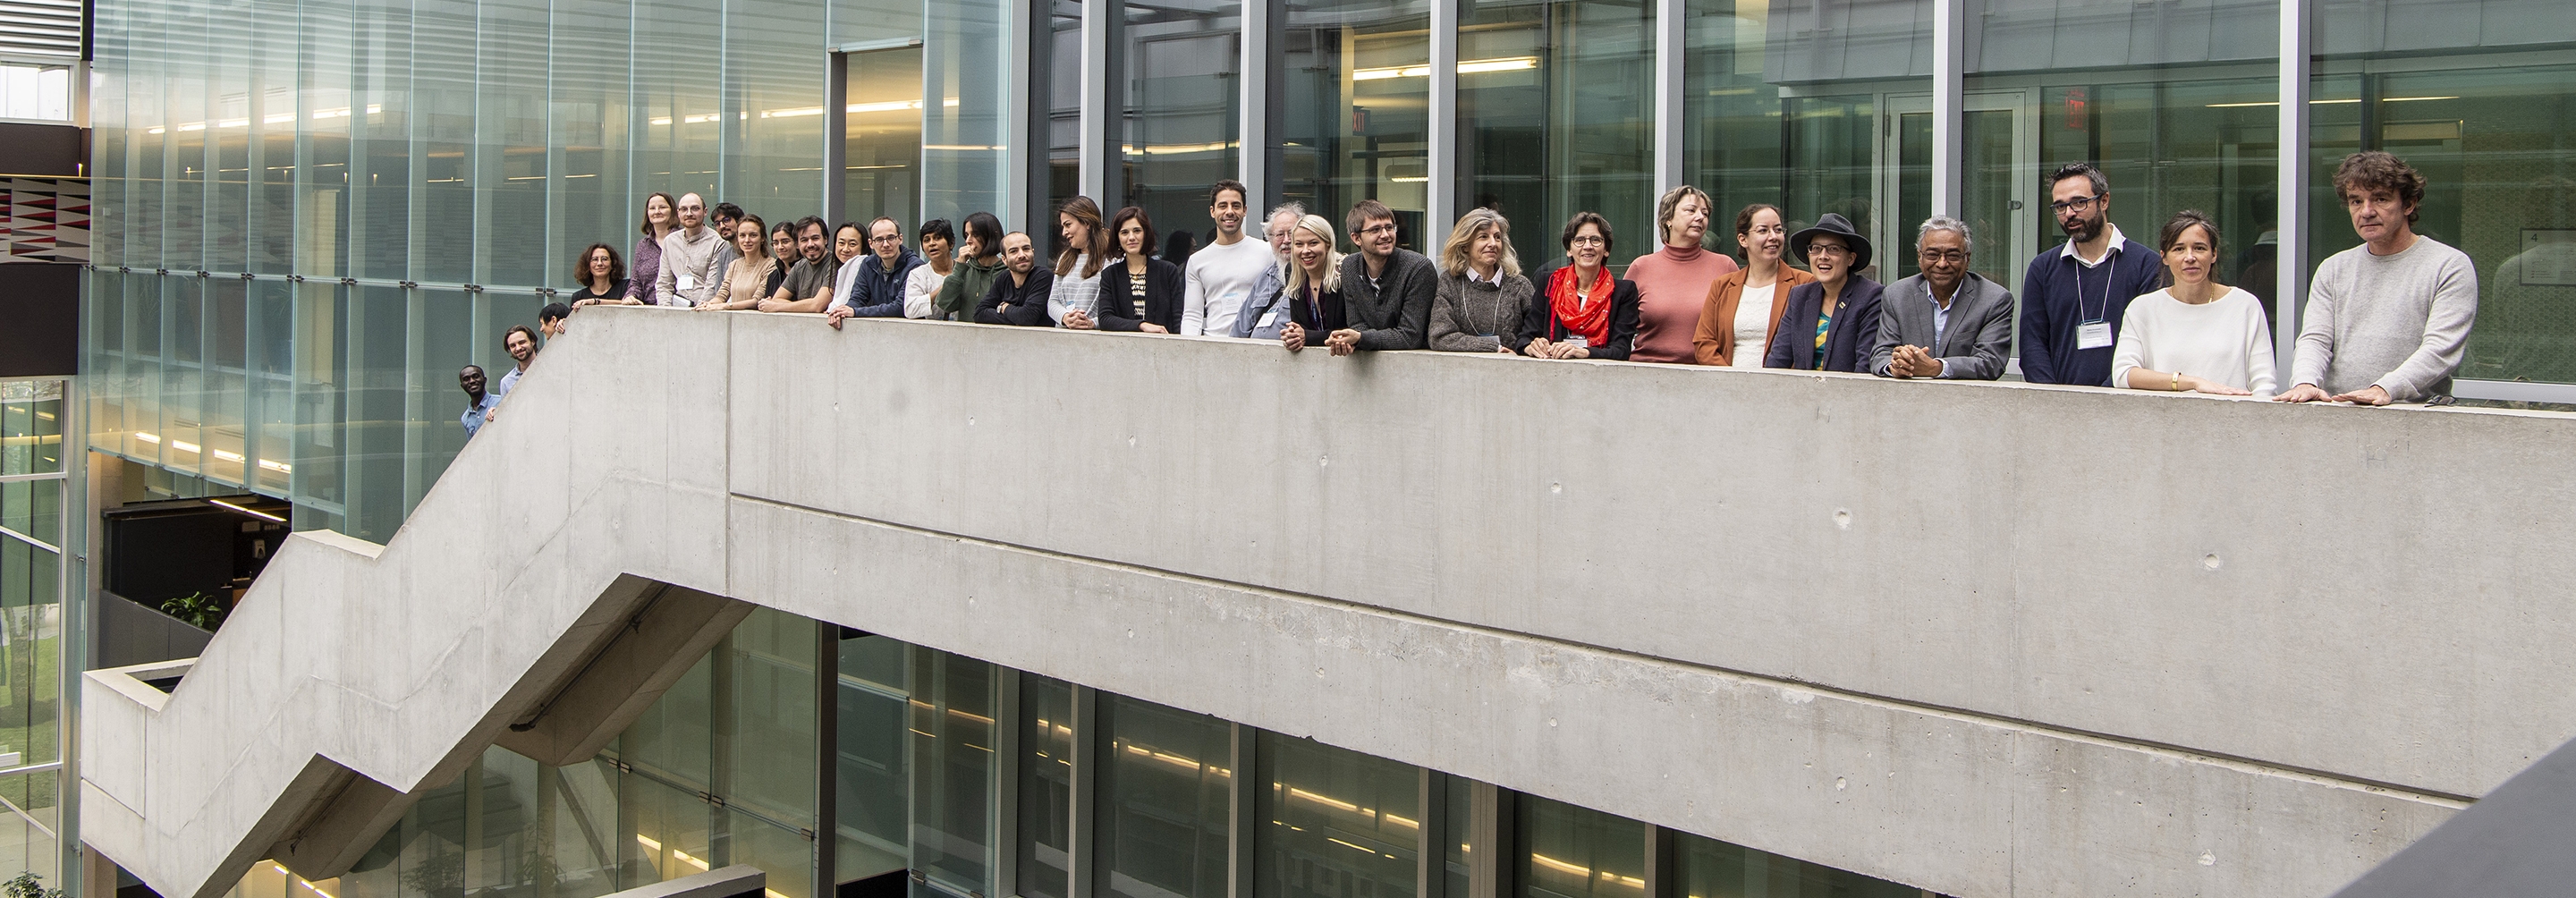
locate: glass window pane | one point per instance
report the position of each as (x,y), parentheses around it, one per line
(952,738)
(1552,115)
(874,786)
(773,163)
(512,160)
(1182,102)
(1712,869)
(2492,138)
(1165,791)
(1046,785)
(965,160)
(587,129)
(1334,823)
(883,134)
(1576,852)
(1064,117)
(1356,124)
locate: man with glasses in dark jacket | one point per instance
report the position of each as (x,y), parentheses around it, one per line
(1386,290)
(2073,296)
(877,291)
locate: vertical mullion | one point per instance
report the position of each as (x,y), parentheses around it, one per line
(1662,871)
(1102,113)
(1441,199)
(1670,84)
(827,758)
(1031,104)
(836,130)
(2292,193)
(1431,875)
(1949,52)
(1240,862)
(1260,114)
(1090,742)
(1003,829)
(1490,842)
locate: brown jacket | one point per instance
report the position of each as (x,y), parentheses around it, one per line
(1714,344)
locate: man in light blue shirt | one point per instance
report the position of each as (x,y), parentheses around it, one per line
(479,404)
(522,346)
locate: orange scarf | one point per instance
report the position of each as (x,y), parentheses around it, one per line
(1581,314)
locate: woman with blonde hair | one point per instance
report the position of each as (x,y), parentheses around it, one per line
(1314,287)
(1481,296)
(1077,270)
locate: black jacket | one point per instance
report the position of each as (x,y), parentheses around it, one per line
(1541,322)
(1027,302)
(1318,322)
(1848,341)
(1163,286)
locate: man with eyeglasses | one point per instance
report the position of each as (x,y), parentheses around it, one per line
(1386,289)
(876,291)
(1947,322)
(2073,296)
(690,271)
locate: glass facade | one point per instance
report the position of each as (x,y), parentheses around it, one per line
(34,491)
(1356,120)
(1552,115)
(1184,98)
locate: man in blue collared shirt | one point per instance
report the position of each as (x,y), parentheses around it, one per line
(2073,296)
(478,404)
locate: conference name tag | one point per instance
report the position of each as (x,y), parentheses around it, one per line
(1269,318)
(2095,334)
(688,281)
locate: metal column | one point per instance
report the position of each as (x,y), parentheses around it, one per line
(2290,258)
(1949,52)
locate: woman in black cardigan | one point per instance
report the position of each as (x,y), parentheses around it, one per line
(1581,310)
(1140,283)
(1834,251)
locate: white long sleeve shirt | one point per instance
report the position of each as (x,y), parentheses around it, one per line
(919,288)
(1217,280)
(2225,340)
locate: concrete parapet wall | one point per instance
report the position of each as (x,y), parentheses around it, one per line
(1983,639)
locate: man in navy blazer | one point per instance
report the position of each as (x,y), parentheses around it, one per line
(1947,322)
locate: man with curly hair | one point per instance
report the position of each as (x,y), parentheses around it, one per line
(2387,321)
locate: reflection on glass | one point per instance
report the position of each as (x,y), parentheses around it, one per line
(1575,852)
(1182,97)
(873,784)
(1357,120)
(2492,144)
(952,739)
(773,74)
(1712,869)
(1334,823)
(1064,119)
(1165,793)
(965,158)
(1046,785)
(883,134)
(1552,118)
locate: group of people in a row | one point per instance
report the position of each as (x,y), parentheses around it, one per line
(2386,321)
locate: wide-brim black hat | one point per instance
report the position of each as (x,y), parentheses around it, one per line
(1835,225)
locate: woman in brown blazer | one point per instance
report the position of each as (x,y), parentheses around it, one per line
(1758,291)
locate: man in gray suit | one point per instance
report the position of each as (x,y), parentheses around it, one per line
(1948,321)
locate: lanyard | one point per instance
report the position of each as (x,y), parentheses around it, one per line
(2110,272)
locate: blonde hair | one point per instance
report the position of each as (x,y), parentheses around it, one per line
(1672,201)
(1453,254)
(1316,225)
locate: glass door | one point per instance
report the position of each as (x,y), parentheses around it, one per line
(883,132)
(1999,184)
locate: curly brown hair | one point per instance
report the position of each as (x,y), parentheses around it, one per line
(2371,170)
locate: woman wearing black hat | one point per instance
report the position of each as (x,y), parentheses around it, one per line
(1831,324)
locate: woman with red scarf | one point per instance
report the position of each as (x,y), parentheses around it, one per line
(1582,311)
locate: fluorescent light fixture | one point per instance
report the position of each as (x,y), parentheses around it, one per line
(278,466)
(185,446)
(1421,180)
(687,859)
(253,512)
(1465,67)
(2347,101)
(153,438)
(228,456)
(649,843)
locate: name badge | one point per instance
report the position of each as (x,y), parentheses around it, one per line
(2094,334)
(1577,340)
(1269,318)
(688,281)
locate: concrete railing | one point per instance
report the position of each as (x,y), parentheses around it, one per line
(1983,639)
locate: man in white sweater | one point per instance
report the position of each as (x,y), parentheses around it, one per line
(1220,275)
(2387,321)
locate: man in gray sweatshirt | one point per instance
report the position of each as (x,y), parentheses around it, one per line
(2387,321)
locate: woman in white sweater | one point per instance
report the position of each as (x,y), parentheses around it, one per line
(2197,334)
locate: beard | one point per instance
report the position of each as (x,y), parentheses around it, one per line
(2084,231)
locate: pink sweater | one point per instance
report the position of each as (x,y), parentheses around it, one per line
(1672,287)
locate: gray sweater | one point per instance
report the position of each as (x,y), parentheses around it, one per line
(1395,311)
(1478,316)
(2399,322)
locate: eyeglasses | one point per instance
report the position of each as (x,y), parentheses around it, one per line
(1375,230)
(886,238)
(1930,256)
(1590,240)
(2077,204)
(1828,249)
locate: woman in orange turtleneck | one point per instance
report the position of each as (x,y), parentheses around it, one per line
(1672,282)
